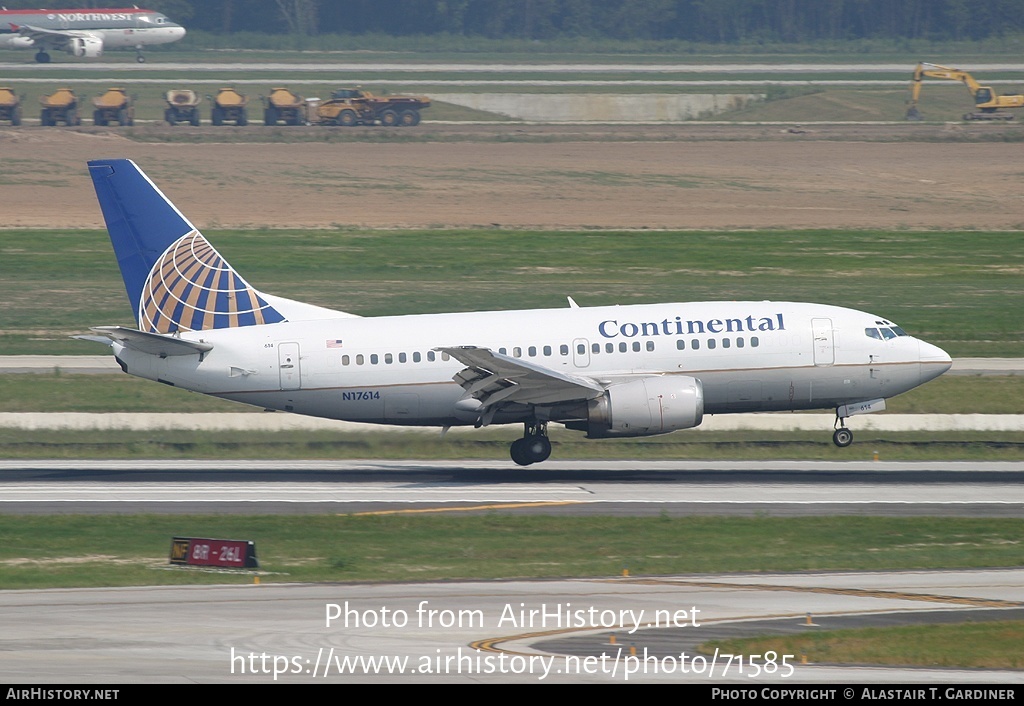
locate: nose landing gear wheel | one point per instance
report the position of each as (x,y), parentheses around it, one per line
(842,437)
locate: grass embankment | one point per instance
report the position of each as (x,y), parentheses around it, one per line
(76,550)
(493,445)
(950,289)
(61,392)
(968,645)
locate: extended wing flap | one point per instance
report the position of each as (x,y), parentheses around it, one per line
(151,343)
(492,378)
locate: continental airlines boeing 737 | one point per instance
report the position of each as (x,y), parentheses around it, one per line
(84,33)
(611,371)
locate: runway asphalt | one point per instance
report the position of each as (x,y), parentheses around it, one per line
(638,488)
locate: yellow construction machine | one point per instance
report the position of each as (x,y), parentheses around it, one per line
(987,102)
(60,106)
(10,105)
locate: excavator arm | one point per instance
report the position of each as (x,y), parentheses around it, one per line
(985,98)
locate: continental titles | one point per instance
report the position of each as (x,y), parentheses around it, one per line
(613,328)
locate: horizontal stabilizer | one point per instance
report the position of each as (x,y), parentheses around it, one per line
(152,343)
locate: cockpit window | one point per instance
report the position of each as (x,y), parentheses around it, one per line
(885,333)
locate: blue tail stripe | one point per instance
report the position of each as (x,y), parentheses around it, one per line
(141,221)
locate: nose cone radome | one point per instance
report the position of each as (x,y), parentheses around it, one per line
(934,361)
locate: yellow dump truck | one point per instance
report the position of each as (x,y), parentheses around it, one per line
(283,104)
(355,106)
(182,106)
(61,106)
(10,105)
(229,104)
(114,106)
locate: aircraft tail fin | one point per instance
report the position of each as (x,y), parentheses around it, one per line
(176,280)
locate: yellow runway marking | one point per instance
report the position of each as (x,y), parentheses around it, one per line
(862,592)
(471,508)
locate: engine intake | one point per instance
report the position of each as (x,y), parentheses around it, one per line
(85,47)
(645,407)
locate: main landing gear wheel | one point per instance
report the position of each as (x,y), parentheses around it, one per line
(534,447)
(842,437)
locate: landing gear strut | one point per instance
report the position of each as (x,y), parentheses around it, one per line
(842,437)
(534,447)
(138,55)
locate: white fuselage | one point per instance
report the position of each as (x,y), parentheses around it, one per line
(749,356)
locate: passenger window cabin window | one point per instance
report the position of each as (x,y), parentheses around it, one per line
(431,356)
(695,344)
(374,359)
(681,344)
(609,348)
(623,347)
(359,359)
(636,346)
(389,358)
(711,343)
(517,352)
(532,351)
(650,345)
(739,342)
(595,347)
(563,349)
(344,360)
(503,351)
(416,357)
(445,356)
(547,350)
(726,343)
(754,341)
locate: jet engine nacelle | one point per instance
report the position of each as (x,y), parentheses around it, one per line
(85,47)
(645,407)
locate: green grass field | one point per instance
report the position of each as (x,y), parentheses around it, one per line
(80,550)
(950,288)
(970,645)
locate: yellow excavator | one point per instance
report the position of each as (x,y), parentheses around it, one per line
(986,100)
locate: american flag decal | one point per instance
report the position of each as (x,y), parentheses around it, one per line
(334,343)
(192,288)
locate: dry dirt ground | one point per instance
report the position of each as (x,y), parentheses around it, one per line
(539,177)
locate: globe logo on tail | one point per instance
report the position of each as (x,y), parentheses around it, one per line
(192,288)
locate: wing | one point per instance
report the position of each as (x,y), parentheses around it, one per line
(55,39)
(151,343)
(494,378)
